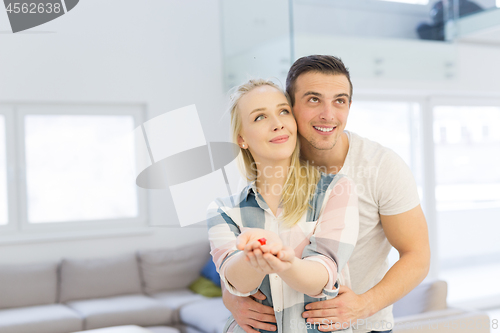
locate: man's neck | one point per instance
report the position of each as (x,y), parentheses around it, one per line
(329,161)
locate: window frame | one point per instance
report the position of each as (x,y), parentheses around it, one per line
(8,111)
(19,228)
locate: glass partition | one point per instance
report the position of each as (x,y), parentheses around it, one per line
(256,40)
(472,21)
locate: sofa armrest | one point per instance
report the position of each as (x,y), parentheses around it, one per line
(444,321)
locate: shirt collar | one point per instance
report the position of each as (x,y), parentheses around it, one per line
(251,188)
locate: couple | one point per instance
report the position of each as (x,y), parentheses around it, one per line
(306,243)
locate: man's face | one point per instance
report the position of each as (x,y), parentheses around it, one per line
(321,108)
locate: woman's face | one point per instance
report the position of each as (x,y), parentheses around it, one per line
(268,128)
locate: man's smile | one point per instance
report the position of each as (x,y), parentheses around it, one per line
(325,129)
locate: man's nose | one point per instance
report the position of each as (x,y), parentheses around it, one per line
(327,113)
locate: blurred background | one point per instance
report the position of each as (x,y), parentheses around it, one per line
(426,84)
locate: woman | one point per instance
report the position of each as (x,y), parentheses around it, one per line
(291,231)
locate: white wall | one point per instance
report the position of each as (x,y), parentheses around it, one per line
(165,54)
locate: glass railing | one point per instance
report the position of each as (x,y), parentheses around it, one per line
(379,39)
(472,21)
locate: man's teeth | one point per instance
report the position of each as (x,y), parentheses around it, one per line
(324,129)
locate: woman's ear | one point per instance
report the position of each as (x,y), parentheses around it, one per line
(241,142)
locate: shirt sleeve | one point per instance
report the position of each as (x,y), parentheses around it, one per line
(396,189)
(222,234)
(336,233)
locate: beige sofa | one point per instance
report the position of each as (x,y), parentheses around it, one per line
(150,289)
(425,309)
(147,288)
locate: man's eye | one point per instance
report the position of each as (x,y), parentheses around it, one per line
(341,101)
(314,99)
(259,117)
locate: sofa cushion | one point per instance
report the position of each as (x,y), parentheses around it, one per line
(205,287)
(210,272)
(172,268)
(175,299)
(52,318)
(28,285)
(427,296)
(209,316)
(122,310)
(97,278)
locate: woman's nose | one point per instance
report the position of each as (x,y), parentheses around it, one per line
(278,127)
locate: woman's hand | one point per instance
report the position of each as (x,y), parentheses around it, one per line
(248,241)
(272,257)
(268,263)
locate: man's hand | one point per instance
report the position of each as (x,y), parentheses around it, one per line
(345,310)
(248,313)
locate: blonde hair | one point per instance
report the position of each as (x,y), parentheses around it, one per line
(302,178)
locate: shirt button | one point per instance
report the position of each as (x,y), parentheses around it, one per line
(276,277)
(278,310)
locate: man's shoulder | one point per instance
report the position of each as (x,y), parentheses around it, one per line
(363,150)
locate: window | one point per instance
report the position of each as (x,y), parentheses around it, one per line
(467,156)
(74,167)
(394,125)
(79,167)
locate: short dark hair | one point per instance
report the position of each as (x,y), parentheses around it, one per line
(325,64)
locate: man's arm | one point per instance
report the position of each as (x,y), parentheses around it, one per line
(249,314)
(407,232)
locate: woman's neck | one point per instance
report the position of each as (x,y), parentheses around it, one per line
(271,177)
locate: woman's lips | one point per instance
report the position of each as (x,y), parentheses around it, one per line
(280,139)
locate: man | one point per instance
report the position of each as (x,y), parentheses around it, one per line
(320,90)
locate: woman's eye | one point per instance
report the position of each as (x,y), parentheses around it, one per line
(285,111)
(259,117)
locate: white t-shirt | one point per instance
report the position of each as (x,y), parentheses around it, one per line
(386,186)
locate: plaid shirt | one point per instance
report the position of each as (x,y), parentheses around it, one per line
(326,233)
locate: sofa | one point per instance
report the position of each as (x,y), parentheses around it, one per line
(150,289)
(147,288)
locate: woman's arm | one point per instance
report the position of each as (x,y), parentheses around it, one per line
(307,277)
(238,275)
(241,275)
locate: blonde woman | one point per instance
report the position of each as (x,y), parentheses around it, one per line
(291,231)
